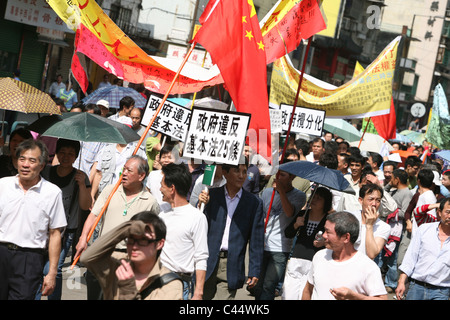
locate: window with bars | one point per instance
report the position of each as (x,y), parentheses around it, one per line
(121,17)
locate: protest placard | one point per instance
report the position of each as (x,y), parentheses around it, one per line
(306,120)
(275,120)
(172,120)
(216,136)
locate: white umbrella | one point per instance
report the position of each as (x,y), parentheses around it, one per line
(372,143)
(207,102)
(342,128)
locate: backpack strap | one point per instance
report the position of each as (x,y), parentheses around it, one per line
(159,282)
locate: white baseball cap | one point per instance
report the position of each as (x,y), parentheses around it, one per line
(103,103)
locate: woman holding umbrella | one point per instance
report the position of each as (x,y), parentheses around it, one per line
(307,227)
(8,162)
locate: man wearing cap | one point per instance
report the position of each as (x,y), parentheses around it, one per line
(104,107)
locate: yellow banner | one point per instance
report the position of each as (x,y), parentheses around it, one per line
(368,94)
(331,10)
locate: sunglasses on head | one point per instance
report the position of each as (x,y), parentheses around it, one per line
(143,242)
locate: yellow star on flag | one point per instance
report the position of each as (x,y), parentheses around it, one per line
(249,35)
(244,19)
(260,45)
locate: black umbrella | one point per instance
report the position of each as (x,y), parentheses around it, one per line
(331,178)
(83,126)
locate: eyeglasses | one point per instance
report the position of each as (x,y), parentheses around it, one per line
(143,242)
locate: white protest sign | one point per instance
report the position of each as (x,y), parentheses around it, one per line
(216,136)
(172,119)
(275,120)
(306,120)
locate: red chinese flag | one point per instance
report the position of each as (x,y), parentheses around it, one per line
(386,124)
(230,32)
(288,24)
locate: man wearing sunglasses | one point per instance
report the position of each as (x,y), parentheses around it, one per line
(137,274)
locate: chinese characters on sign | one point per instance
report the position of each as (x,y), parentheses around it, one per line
(306,120)
(368,94)
(35,13)
(172,120)
(275,120)
(216,136)
(196,57)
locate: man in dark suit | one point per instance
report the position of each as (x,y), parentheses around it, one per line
(235,219)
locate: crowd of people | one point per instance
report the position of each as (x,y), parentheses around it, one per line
(162,233)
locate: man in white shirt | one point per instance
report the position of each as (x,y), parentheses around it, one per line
(356,165)
(373,232)
(56,86)
(317,150)
(351,203)
(31,218)
(426,260)
(375,160)
(126,104)
(359,277)
(105,82)
(186,248)
(425,182)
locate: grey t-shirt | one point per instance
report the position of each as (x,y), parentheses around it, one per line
(403,198)
(274,239)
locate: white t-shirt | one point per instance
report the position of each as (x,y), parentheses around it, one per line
(427,197)
(186,245)
(380,230)
(154,184)
(25,218)
(359,273)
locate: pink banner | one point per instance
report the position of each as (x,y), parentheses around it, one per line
(154,78)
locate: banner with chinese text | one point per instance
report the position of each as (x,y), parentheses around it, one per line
(368,94)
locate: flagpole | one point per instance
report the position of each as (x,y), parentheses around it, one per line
(290,125)
(137,147)
(365,129)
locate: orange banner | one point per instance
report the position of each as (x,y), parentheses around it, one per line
(100,39)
